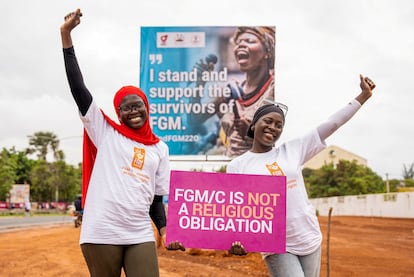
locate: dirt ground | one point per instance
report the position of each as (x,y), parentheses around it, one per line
(359,246)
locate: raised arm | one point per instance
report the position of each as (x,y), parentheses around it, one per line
(80,93)
(339,118)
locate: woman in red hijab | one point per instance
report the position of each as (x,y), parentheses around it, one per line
(125,174)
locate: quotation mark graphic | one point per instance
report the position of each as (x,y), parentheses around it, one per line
(155,58)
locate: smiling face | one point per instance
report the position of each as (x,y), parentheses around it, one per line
(132,111)
(267,131)
(249,52)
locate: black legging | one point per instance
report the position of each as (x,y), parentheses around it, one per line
(106,260)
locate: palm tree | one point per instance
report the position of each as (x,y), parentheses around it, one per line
(42,142)
(408,171)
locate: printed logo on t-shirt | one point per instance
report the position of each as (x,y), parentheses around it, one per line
(275,169)
(139,158)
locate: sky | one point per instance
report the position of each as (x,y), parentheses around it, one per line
(321,48)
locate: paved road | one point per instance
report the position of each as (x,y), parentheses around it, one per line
(16,222)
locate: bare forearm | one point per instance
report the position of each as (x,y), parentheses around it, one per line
(66,38)
(363,97)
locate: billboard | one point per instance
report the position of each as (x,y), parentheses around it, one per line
(19,193)
(204,84)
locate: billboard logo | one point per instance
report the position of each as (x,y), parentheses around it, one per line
(181,39)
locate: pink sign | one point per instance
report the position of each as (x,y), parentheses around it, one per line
(213,210)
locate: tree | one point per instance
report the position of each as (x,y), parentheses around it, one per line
(41,187)
(41,142)
(394,185)
(55,181)
(23,167)
(346,178)
(409,183)
(67,180)
(7,173)
(408,171)
(49,181)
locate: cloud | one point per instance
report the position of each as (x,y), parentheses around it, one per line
(321,48)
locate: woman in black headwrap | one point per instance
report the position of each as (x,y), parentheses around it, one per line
(303,235)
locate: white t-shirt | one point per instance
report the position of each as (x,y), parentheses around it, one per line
(303,235)
(125,177)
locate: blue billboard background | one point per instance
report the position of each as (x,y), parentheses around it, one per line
(183,71)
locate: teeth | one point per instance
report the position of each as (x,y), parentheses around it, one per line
(135,119)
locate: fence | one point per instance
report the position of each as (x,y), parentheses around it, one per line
(398,205)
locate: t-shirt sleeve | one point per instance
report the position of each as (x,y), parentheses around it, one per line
(94,123)
(335,121)
(306,147)
(162,181)
(231,167)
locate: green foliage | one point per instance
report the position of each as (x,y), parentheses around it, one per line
(49,181)
(55,181)
(7,172)
(409,183)
(41,186)
(23,167)
(346,178)
(394,185)
(67,179)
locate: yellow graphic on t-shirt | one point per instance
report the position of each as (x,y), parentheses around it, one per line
(275,169)
(139,158)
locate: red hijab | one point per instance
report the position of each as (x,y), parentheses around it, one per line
(142,135)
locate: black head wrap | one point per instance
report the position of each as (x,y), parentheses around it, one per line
(263,110)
